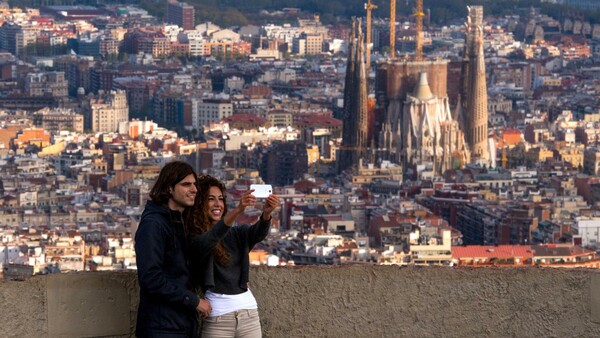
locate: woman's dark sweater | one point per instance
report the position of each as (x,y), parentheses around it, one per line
(230,279)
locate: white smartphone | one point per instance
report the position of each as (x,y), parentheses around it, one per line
(261,190)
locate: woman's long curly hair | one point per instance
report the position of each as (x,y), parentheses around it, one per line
(200,222)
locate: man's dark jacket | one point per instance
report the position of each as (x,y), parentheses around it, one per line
(167,300)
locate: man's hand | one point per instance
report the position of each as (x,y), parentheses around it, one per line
(204,308)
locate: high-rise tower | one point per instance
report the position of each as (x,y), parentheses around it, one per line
(181,14)
(355,119)
(474,89)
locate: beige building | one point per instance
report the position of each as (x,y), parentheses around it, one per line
(225,34)
(108,111)
(212,110)
(280,118)
(499,104)
(155,45)
(436,250)
(314,44)
(537,155)
(551,80)
(14,37)
(370,173)
(58,119)
(199,47)
(308,44)
(313,26)
(46,84)
(66,252)
(573,155)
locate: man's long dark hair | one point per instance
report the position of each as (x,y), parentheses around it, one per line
(171,174)
(199,222)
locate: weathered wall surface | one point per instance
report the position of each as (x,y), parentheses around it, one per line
(22,312)
(348,301)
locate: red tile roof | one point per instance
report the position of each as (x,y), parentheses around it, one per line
(248,118)
(553,250)
(319,121)
(305,186)
(491,251)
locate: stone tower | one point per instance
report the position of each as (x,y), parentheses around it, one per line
(474,89)
(355,119)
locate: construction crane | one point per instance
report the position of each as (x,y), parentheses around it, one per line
(392,29)
(369,7)
(418,14)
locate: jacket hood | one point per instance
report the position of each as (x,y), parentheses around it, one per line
(153,208)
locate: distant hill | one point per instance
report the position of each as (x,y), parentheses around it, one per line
(241,12)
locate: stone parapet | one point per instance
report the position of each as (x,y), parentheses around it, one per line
(345,301)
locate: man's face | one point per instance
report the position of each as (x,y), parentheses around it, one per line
(215,204)
(183,193)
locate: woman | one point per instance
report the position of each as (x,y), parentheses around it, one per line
(222,271)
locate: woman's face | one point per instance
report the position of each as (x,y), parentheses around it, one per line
(215,205)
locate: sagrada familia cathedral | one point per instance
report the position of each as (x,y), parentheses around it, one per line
(418,127)
(429,133)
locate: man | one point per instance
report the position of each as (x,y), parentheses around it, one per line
(168,307)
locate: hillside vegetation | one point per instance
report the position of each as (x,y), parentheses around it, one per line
(241,12)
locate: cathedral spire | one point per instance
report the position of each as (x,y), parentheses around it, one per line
(422,90)
(355,120)
(476,100)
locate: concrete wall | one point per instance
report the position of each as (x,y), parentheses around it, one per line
(349,301)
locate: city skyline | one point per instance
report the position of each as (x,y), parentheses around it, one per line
(483,140)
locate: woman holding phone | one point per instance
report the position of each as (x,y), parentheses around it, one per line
(222,271)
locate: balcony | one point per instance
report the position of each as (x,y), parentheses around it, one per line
(347,301)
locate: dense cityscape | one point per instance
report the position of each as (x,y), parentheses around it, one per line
(471,144)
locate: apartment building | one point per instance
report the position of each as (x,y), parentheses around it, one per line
(211,110)
(58,119)
(181,14)
(51,84)
(107,111)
